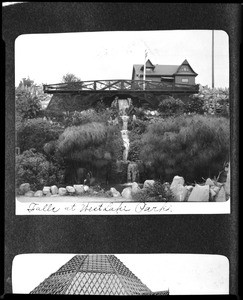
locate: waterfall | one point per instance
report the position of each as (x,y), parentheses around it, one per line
(124,104)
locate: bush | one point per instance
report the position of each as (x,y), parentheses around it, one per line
(28,106)
(192,147)
(171,106)
(156,192)
(35,133)
(93,142)
(34,168)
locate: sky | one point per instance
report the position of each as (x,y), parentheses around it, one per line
(183,274)
(45,58)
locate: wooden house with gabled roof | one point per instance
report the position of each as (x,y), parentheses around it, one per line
(177,74)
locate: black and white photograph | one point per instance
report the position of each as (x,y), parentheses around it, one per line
(121,149)
(142,117)
(121,274)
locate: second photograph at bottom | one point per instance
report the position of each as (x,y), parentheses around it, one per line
(120,274)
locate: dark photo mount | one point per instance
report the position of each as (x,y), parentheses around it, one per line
(208,234)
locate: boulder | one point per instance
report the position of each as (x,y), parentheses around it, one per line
(79,189)
(86,188)
(114,192)
(46,189)
(24,188)
(212,193)
(48,194)
(179,192)
(127,193)
(29,194)
(200,193)
(148,183)
(177,180)
(62,191)
(54,189)
(38,193)
(70,189)
(209,182)
(135,188)
(189,187)
(221,196)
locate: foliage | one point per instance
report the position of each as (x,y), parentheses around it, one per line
(35,133)
(216,100)
(192,147)
(156,192)
(195,105)
(171,106)
(27,106)
(34,168)
(91,142)
(69,77)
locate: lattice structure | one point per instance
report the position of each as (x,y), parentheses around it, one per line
(94,274)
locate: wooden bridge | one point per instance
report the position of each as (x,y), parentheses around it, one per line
(120,85)
(84,94)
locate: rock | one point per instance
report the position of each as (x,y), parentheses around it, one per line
(189,187)
(127,193)
(215,188)
(212,192)
(46,189)
(200,193)
(179,192)
(62,191)
(221,196)
(114,192)
(177,180)
(79,189)
(148,183)
(135,188)
(209,182)
(86,188)
(54,189)
(24,188)
(55,195)
(48,194)
(29,194)
(38,193)
(70,189)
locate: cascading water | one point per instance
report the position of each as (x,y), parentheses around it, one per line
(124,104)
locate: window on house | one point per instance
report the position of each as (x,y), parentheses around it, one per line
(184,80)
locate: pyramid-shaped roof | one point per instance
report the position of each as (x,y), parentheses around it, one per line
(93,274)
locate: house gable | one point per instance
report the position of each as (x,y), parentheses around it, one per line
(185,69)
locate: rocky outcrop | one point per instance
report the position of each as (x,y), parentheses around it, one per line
(114,192)
(200,193)
(24,188)
(127,193)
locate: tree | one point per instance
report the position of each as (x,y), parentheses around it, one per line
(91,145)
(35,133)
(28,106)
(69,77)
(34,168)
(192,147)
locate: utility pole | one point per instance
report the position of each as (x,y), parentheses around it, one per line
(144,68)
(212,58)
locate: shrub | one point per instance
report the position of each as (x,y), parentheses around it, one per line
(34,168)
(35,133)
(171,106)
(28,106)
(156,192)
(92,142)
(192,147)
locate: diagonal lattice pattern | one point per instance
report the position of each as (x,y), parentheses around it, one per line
(93,274)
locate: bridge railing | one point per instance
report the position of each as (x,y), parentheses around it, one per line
(116,85)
